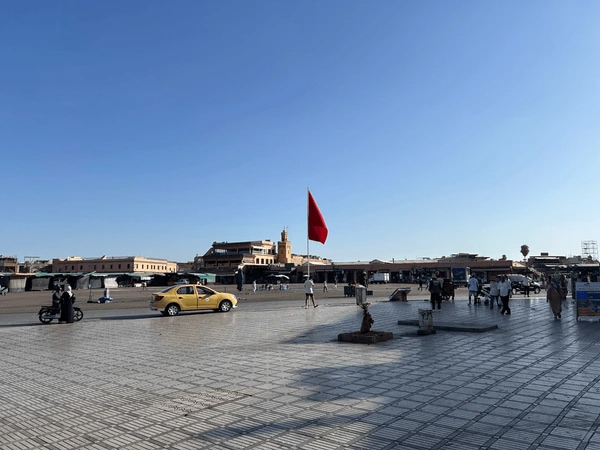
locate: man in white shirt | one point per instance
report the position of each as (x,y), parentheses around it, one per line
(473,289)
(504,288)
(494,293)
(308,290)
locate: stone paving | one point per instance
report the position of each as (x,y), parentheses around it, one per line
(275,377)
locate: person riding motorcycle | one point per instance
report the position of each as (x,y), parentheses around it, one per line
(56,298)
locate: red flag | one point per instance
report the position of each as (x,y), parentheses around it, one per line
(317,229)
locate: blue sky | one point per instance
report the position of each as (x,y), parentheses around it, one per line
(422,129)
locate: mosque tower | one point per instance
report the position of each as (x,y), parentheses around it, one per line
(284,249)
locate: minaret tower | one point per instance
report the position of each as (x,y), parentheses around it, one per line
(284,249)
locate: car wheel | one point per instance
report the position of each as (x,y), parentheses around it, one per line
(515,292)
(77,315)
(537,290)
(172,309)
(225,306)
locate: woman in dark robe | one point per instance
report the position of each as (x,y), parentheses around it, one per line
(66,306)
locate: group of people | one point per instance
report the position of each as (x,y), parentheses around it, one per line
(500,292)
(62,299)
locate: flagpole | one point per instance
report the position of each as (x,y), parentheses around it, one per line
(307,239)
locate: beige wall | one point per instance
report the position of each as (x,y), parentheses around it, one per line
(111,265)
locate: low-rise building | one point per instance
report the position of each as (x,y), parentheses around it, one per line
(255,257)
(113,264)
(9,264)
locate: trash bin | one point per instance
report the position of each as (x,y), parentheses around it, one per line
(425,319)
(361,295)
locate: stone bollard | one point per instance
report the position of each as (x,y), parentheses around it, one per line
(425,322)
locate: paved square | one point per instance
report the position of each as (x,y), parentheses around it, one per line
(274,377)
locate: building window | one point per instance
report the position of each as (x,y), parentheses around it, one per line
(102,266)
(72,267)
(111,266)
(119,266)
(128,266)
(94,266)
(80,267)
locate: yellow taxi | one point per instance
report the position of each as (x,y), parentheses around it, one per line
(191,297)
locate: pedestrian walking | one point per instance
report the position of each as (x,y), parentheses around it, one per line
(420,284)
(553,296)
(440,279)
(435,290)
(325,286)
(239,278)
(494,293)
(254,286)
(362,278)
(504,288)
(308,291)
(473,290)
(562,285)
(526,286)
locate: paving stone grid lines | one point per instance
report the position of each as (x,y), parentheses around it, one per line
(277,379)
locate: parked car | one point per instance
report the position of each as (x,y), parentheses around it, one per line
(516,282)
(534,287)
(191,297)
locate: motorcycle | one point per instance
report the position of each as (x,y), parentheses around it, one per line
(48,313)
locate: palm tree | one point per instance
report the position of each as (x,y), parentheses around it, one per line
(525,252)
